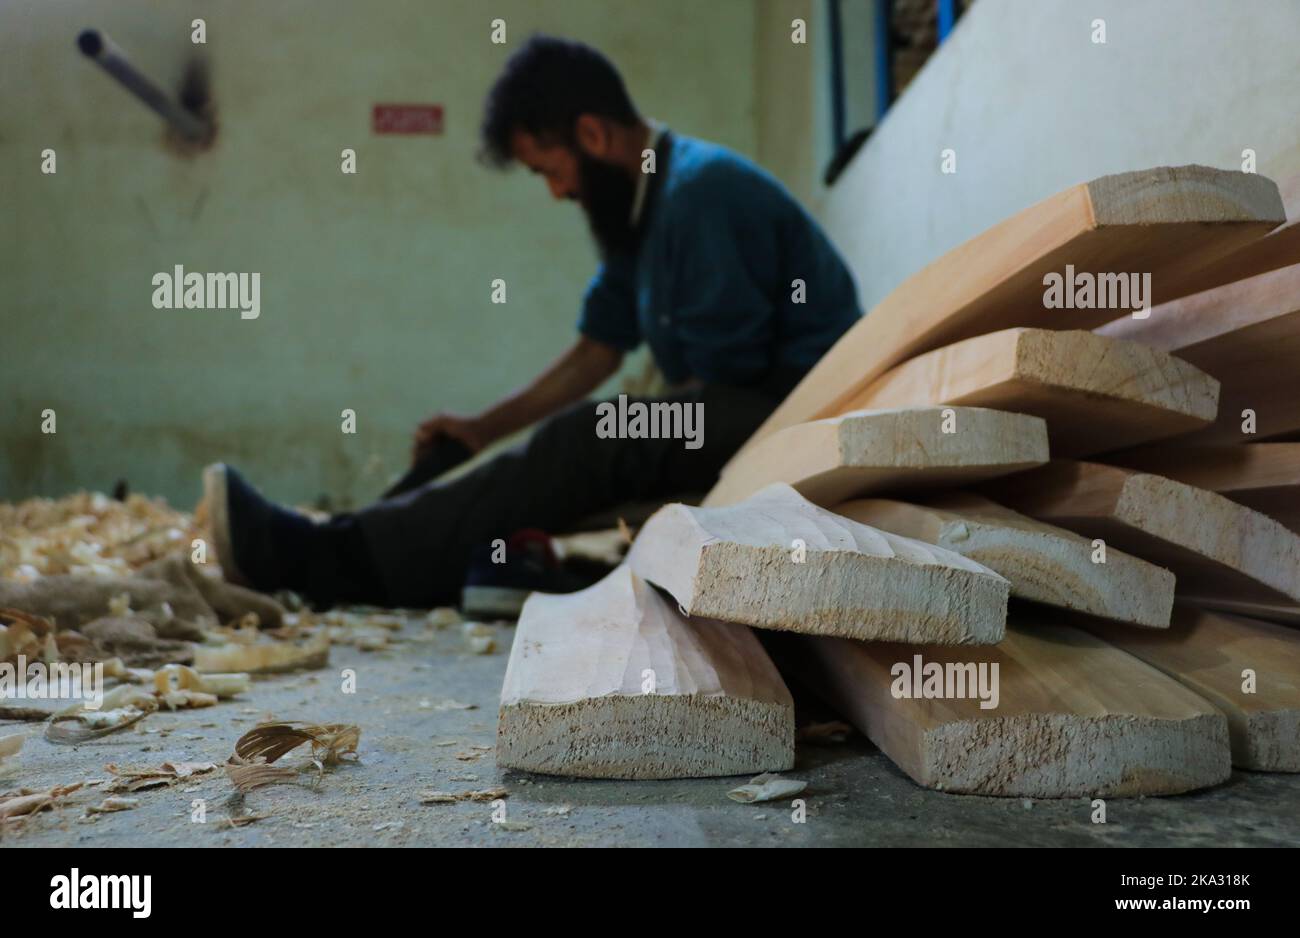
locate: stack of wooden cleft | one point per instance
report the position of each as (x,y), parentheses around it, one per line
(1028,551)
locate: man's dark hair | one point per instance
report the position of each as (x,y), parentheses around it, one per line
(547,83)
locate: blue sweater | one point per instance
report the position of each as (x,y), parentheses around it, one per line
(711,286)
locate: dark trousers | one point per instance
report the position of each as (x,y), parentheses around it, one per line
(420,542)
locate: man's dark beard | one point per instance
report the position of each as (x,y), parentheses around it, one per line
(606,195)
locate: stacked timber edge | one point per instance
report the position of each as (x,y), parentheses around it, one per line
(1096,394)
(868,452)
(1248,669)
(1246,334)
(1073,717)
(1170,222)
(776,561)
(1214,546)
(1045,564)
(612,682)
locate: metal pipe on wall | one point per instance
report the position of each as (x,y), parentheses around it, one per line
(113,60)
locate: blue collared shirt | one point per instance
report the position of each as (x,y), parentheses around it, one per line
(712,285)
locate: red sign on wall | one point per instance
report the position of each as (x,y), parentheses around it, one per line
(406,118)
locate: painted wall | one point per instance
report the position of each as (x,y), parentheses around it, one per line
(793,114)
(375,287)
(1031,105)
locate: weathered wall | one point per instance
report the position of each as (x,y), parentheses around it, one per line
(375,287)
(1031,105)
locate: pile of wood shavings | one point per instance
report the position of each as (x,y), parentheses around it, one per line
(89,533)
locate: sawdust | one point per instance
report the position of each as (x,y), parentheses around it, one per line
(26,802)
(88,533)
(263,656)
(112,804)
(448,797)
(28,635)
(137,778)
(479,638)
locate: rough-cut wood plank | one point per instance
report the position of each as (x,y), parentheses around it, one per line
(576,699)
(1074,717)
(777,561)
(1247,335)
(871,452)
(1263,476)
(1096,394)
(1168,222)
(1279,248)
(1045,564)
(1214,546)
(1210,653)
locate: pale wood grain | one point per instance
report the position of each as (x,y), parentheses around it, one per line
(575,699)
(1044,563)
(776,561)
(883,451)
(1075,717)
(1262,476)
(1214,546)
(1096,394)
(1246,334)
(1210,653)
(1169,222)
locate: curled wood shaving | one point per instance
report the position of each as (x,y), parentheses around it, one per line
(767,787)
(128,778)
(27,635)
(187,699)
(447,797)
(71,730)
(243,820)
(247,776)
(263,657)
(178,677)
(330,742)
(121,707)
(111,804)
(25,801)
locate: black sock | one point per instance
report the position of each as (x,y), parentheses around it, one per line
(294,543)
(327,563)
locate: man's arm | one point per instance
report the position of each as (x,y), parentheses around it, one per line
(575,374)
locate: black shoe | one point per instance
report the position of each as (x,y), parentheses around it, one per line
(246,528)
(498,590)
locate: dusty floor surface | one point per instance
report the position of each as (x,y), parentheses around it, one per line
(855,796)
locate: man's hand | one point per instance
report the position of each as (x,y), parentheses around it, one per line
(468,430)
(571,377)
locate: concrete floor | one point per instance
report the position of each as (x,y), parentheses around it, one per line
(855,796)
